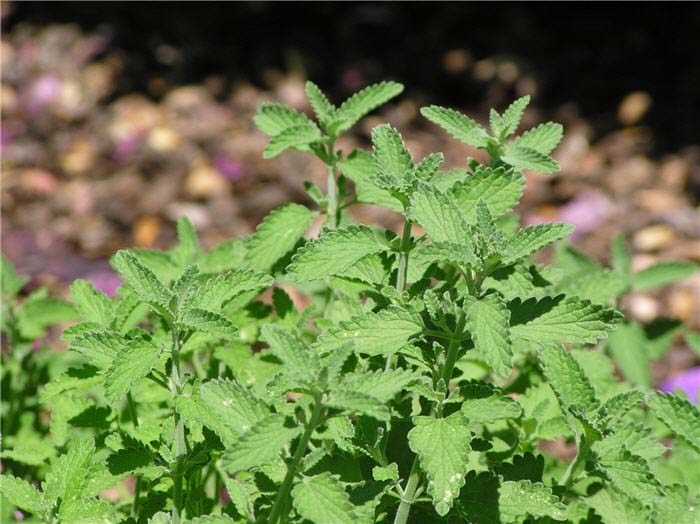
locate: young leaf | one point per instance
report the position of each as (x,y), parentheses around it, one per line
(259,445)
(382,333)
(321,499)
(390,154)
(276,235)
(543,138)
(94,306)
(272,119)
(10,282)
(678,414)
(442,445)
(662,274)
(69,473)
(365,101)
(333,253)
(567,379)
(522,498)
(323,109)
(141,279)
(508,123)
(488,324)
(533,238)
(457,125)
(498,187)
(360,167)
(296,358)
(292,138)
(131,364)
(526,158)
(22,494)
(438,215)
(559,320)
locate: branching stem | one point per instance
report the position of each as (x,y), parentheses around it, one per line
(180,443)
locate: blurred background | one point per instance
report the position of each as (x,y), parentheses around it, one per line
(118,118)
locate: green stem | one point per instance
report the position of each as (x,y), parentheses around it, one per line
(568,476)
(180,443)
(414,477)
(137,487)
(281,508)
(404,251)
(332,188)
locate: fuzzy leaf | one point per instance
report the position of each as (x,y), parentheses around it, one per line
(483,404)
(526,158)
(208,322)
(333,253)
(276,235)
(457,125)
(438,215)
(679,415)
(533,238)
(390,154)
(543,138)
(323,109)
(355,402)
(382,333)
(488,324)
(567,379)
(442,445)
(131,364)
(296,358)
(382,385)
(321,499)
(674,507)
(292,138)
(94,306)
(68,474)
(365,101)
(259,445)
(662,274)
(21,493)
(616,508)
(360,167)
(220,290)
(499,188)
(10,282)
(508,123)
(517,499)
(630,474)
(143,281)
(99,347)
(628,346)
(272,119)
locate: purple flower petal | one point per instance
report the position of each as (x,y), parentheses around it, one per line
(585,212)
(228,167)
(687,381)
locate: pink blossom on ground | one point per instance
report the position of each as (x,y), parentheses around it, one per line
(687,381)
(105,280)
(228,167)
(587,211)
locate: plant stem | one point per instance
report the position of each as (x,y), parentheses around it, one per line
(568,475)
(180,444)
(414,477)
(281,508)
(402,271)
(332,196)
(137,486)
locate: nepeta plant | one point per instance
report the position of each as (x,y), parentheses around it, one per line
(422,384)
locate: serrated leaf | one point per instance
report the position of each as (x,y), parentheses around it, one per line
(517,499)
(131,364)
(359,166)
(508,123)
(38,312)
(272,119)
(187,249)
(68,474)
(94,306)
(382,385)
(678,414)
(22,494)
(567,379)
(543,138)
(629,473)
(526,158)
(560,320)
(533,238)
(382,473)
(636,438)
(599,286)
(438,215)
(615,507)
(383,333)
(390,154)
(259,445)
(662,274)
(442,445)
(220,290)
(323,109)
(333,253)
(490,240)
(230,405)
(355,402)
(10,282)
(241,493)
(296,358)
(365,101)
(627,345)
(292,138)
(86,511)
(99,347)
(276,235)
(427,168)
(224,256)
(208,322)
(674,506)
(488,323)
(142,280)
(482,403)
(457,125)
(321,499)
(438,252)
(499,188)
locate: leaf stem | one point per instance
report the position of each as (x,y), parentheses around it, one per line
(281,507)
(137,487)
(404,251)
(180,443)
(332,188)
(568,476)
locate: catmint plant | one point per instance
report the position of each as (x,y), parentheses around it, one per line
(427,381)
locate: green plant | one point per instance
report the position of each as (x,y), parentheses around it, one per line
(420,385)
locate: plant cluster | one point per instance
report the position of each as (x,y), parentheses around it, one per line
(428,380)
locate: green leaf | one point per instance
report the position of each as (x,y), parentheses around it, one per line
(662,274)
(382,385)
(674,507)
(490,240)
(620,256)
(543,138)
(383,333)
(298,361)
(483,404)
(567,379)
(365,101)
(220,290)
(678,414)
(272,119)
(508,123)
(613,506)
(22,494)
(628,346)
(276,235)
(10,282)
(517,499)
(131,364)
(636,438)
(230,405)
(442,445)
(438,215)
(94,306)
(292,138)
(559,320)
(187,249)
(39,311)
(390,154)
(86,511)
(241,493)
(488,324)
(499,188)
(333,253)
(360,167)
(355,402)
(69,473)
(143,281)
(208,322)
(533,238)
(457,125)
(99,347)
(382,473)
(259,445)
(323,109)
(526,158)
(321,499)
(630,474)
